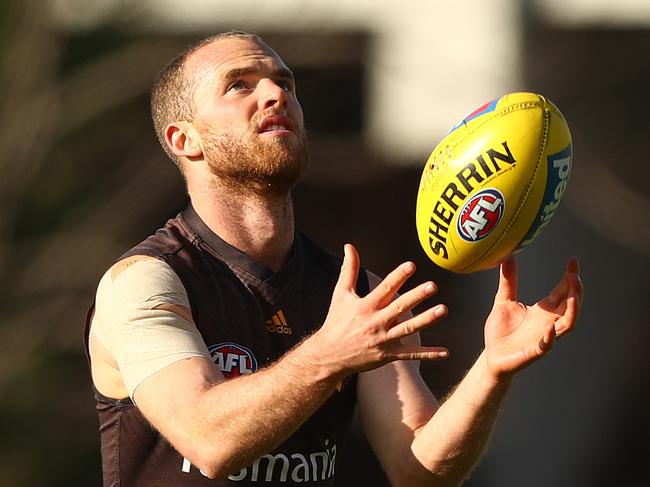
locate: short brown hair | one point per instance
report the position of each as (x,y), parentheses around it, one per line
(171,95)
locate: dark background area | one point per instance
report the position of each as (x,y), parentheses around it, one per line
(82,179)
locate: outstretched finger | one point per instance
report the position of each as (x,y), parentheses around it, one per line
(570,317)
(420,353)
(546,341)
(416,323)
(387,289)
(407,301)
(573,266)
(349,270)
(507,290)
(563,288)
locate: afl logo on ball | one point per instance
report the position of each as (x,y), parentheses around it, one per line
(233,360)
(480,215)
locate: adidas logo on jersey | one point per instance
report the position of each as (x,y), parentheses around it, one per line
(278,324)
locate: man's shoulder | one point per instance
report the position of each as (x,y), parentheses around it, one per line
(140,278)
(171,238)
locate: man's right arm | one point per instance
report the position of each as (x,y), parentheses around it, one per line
(200,413)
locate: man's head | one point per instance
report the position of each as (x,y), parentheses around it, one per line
(229,103)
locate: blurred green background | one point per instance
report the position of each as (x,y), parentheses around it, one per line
(83,179)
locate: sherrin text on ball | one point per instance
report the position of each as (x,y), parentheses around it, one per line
(494,182)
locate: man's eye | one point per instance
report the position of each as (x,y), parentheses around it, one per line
(237,85)
(285,84)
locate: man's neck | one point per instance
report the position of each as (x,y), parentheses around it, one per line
(260,225)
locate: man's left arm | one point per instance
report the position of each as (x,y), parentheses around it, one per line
(421,443)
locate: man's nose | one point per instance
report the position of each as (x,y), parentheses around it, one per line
(271,94)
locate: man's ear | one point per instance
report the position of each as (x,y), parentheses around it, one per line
(183,140)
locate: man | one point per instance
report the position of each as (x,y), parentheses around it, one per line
(227,346)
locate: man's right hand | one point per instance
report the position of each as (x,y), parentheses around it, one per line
(364,333)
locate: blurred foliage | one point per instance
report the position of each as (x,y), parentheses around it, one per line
(77,148)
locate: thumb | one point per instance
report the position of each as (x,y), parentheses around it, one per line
(507,290)
(349,270)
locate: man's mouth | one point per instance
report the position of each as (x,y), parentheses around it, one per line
(276,123)
(271,128)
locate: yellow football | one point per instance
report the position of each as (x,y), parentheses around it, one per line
(493,183)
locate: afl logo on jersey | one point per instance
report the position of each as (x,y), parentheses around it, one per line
(233,360)
(480,215)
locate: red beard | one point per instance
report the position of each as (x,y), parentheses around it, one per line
(250,164)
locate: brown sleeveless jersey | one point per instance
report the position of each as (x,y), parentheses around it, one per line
(248,317)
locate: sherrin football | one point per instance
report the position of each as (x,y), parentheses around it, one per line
(493,183)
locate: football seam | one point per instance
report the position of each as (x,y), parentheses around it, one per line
(523,199)
(498,114)
(493,116)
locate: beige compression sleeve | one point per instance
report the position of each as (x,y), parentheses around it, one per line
(144,339)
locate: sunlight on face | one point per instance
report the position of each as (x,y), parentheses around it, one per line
(248,116)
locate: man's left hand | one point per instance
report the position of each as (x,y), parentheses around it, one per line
(517,335)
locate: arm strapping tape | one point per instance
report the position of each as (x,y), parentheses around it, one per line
(144,339)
